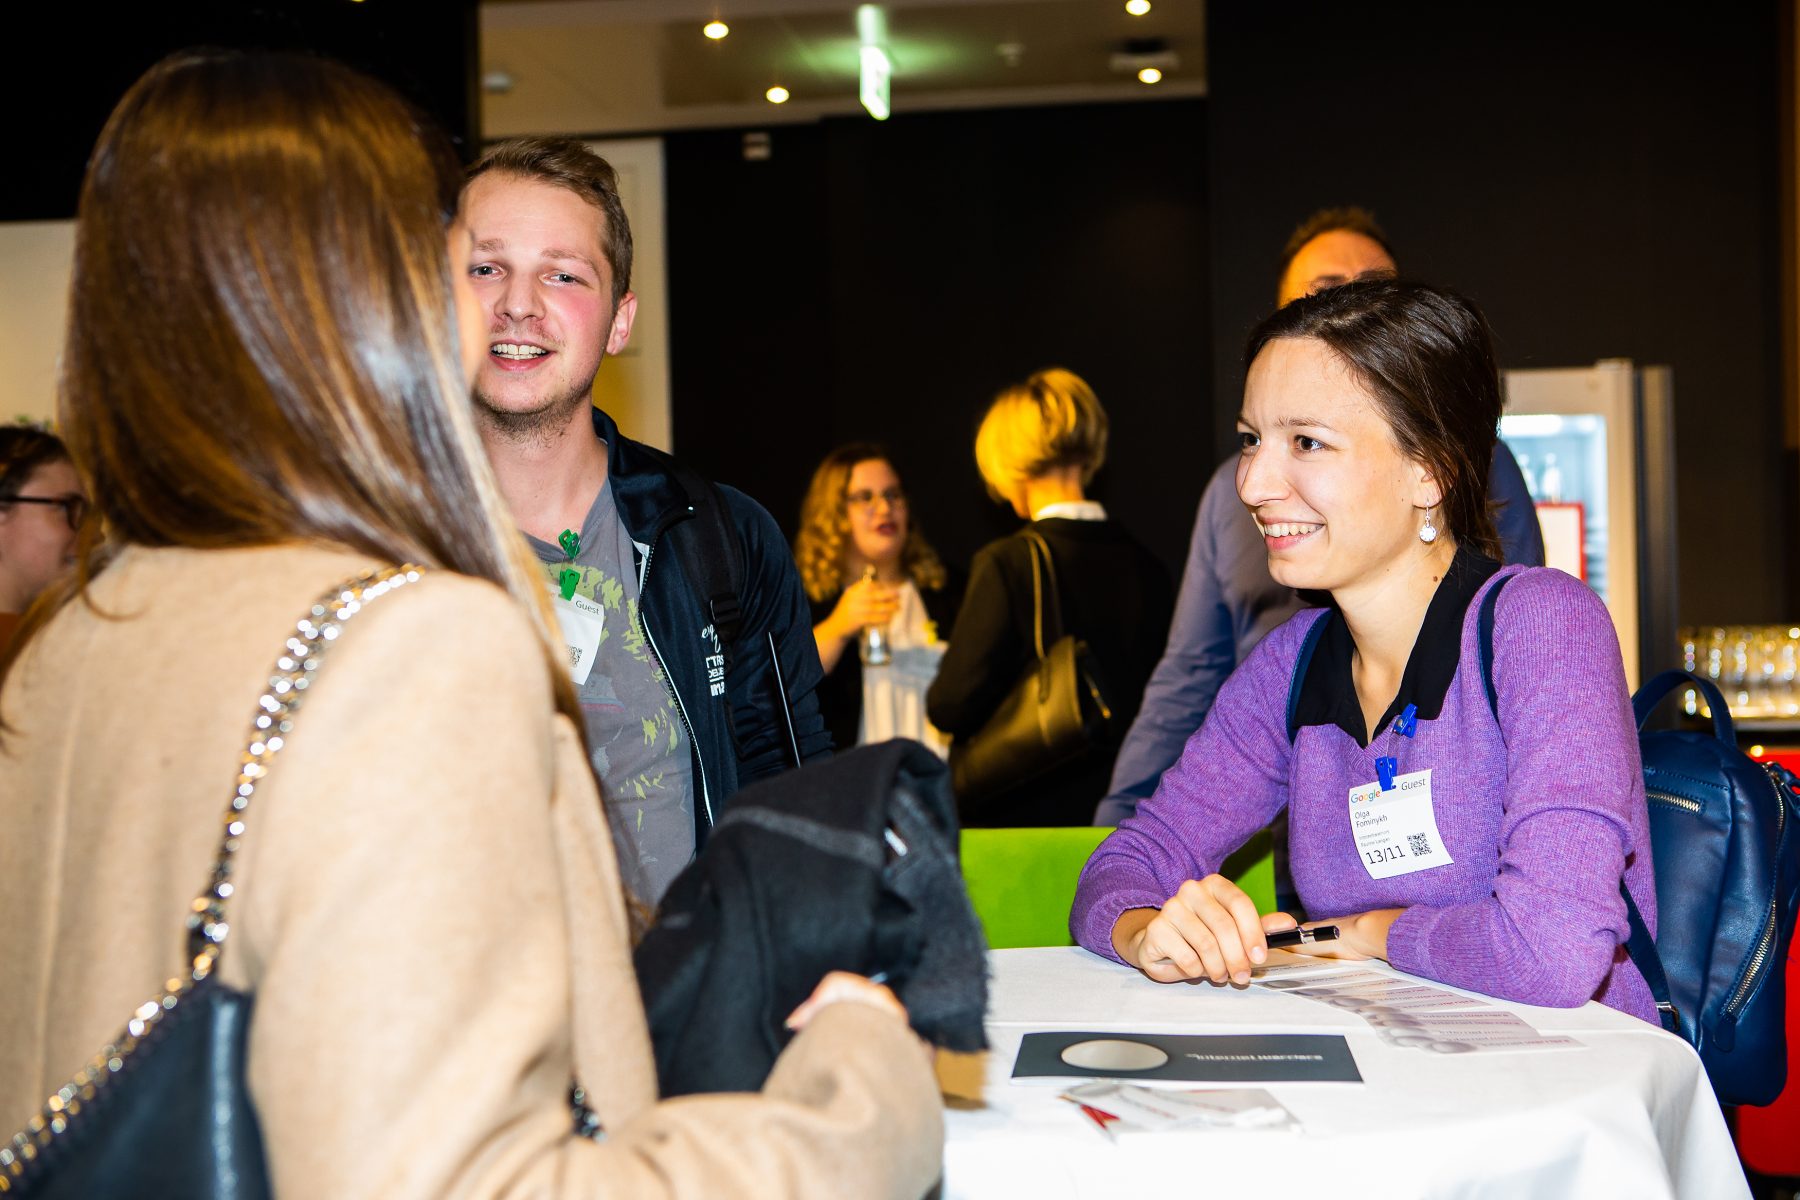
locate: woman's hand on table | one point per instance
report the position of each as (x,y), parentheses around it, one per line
(1209,929)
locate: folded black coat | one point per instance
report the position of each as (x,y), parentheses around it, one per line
(849,864)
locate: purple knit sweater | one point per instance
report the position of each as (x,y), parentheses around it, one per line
(1540,812)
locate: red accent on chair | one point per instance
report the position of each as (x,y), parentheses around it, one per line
(1768,1136)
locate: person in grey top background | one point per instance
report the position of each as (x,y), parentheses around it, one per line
(1227,601)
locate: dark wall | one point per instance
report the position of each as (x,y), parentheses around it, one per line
(1601,179)
(59,100)
(884,280)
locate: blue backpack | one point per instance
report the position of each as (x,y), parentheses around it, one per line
(1727,858)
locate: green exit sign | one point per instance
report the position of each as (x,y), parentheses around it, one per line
(877,72)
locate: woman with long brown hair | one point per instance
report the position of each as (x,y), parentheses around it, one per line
(866,566)
(265,388)
(1413,726)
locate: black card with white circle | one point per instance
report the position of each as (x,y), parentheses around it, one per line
(1192,1058)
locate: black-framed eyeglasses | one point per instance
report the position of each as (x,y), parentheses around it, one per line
(75,508)
(863,497)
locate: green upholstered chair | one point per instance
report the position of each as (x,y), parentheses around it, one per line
(1022,881)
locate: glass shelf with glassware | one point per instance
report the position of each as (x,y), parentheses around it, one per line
(1757,667)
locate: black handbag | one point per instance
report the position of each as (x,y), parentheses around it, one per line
(1054,715)
(165,1110)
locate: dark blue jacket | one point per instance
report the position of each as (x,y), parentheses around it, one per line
(736,731)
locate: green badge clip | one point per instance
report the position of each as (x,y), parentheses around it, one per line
(570,541)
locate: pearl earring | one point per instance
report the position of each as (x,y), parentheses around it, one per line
(1428,533)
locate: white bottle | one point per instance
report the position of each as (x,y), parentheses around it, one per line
(873,646)
(1531,483)
(1551,480)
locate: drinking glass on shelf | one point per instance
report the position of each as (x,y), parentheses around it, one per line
(1759,679)
(1735,678)
(1784,687)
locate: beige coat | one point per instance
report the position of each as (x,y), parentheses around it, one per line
(428,905)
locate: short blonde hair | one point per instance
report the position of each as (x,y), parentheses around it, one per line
(1051,420)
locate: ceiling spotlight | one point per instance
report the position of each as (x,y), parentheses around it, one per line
(776,95)
(715,29)
(1149,75)
(1137,8)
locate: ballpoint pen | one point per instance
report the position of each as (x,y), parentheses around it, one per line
(1297,937)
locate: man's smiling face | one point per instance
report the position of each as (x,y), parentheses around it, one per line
(539,267)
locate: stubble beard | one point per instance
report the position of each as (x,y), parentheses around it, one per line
(537,427)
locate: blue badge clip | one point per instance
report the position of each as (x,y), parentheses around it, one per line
(1407,723)
(1384,771)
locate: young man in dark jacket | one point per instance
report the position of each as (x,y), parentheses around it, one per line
(673,730)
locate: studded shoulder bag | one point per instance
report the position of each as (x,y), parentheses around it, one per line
(165,1110)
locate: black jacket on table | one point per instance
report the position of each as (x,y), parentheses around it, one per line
(841,691)
(848,865)
(1116,596)
(736,731)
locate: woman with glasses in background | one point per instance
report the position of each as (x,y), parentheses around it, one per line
(867,567)
(41,510)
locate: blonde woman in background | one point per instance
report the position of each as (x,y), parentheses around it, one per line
(1038,448)
(267,386)
(865,564)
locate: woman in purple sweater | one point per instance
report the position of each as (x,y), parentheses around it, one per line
(1481,853)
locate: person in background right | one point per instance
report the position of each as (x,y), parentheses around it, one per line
(1228,602)
(41,510)
(1038,448)
(1471,820)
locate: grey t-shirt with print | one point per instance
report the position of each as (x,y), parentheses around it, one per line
(639,746)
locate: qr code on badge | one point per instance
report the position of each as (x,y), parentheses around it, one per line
(575,654)
(1418,843)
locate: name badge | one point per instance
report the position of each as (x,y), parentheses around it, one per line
(582,623)
(1396,831)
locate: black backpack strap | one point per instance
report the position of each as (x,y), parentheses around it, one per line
(1642,948)
(712,555)
(1307,646)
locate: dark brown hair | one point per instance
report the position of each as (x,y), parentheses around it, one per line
(1349,219)
(825,528)
(23,449)
(1426,355)
(262,345)
(566,163)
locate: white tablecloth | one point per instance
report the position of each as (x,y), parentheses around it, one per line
(1628,1114)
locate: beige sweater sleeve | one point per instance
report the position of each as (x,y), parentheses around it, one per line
(406,926)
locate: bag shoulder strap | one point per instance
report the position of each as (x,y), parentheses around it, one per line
(712,556)
(1484,633)
(301,654)
(1638,944)
(295,668)
(1642,949)
(1036,545)
(1307,646)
